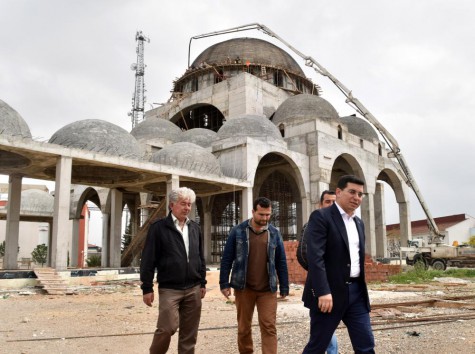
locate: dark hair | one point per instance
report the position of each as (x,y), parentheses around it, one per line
(344,180)
(262,202)
(325,193)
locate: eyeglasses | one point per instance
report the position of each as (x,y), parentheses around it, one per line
(355,193)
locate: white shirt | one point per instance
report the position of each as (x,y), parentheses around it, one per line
(353,241)
(184,233)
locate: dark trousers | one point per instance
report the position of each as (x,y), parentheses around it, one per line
(356,318)
(177,308)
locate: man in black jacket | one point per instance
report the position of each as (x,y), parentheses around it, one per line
(335,289)
(174,248)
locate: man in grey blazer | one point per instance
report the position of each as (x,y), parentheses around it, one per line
(335,289)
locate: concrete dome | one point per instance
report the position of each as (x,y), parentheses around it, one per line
(360,127)
(199,136)
(98,136)
(249,126)
(35,201)
(156,128)
(256,51)
(304,107)
(187,156)
(11,123)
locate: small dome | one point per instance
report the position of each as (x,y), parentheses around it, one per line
(11,123)
(98,136)
(187,156)
(35,201)
(304,107)
(156,128)
(360,127)
(199,136)
(249,126)
(256,51)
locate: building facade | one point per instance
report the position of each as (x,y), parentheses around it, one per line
(243,121)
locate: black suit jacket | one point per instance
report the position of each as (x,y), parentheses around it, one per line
(329,260)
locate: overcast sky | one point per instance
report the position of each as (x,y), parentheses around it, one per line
(411,63)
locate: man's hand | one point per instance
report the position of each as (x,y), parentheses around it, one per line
(203,292)
(226,292)
(325,303)
(148,299)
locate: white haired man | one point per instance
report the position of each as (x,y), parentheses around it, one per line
(174,248)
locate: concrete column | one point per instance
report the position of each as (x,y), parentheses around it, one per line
(62,199)
(105,241)
(49,257)
(116,228)
(10,260)
(173,182)
(206,228)
(246,204)
(75,244)
(405,223)
(380,222)
(367,214)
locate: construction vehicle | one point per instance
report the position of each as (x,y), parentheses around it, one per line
(439,256)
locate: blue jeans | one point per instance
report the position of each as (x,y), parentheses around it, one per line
(333,346)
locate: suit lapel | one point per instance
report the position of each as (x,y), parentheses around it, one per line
(340,224)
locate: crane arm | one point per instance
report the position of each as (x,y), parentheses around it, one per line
(395,151)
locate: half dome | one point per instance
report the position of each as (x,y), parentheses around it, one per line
(11,123)
(252,50)
(188,156)
(360,127)
(156,128)
(36,202)
(98,136)
(199,136)
(302,108)
(257,127)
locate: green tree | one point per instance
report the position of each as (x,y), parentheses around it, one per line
(2,249)
(39,254)
(471,241)
(127,238)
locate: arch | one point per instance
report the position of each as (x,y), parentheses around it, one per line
(345,164)
(279,179)
(199,115)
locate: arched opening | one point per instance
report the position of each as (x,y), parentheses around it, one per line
(199,116)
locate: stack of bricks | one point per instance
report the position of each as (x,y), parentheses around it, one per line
(379,272)
(375,271)
(297,274)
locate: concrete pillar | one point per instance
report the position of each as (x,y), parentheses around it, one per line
(10,260)
(405,223)
(62,198)
(105,240)
(380,222)
(49,257)
(206,228)
(173,182)
(367,214)
(115,228)
(75,244)
(246,204)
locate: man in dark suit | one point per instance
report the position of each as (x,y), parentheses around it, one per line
(335,289)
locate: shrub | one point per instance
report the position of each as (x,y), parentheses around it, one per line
(93,260)
(39,254)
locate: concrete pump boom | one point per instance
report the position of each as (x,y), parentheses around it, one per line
(352,101)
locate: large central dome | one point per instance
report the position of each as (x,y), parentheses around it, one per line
(254,50)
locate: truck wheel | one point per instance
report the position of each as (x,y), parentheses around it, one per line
(420,262)
(439,264)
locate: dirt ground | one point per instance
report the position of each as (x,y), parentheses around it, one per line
(111,318)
